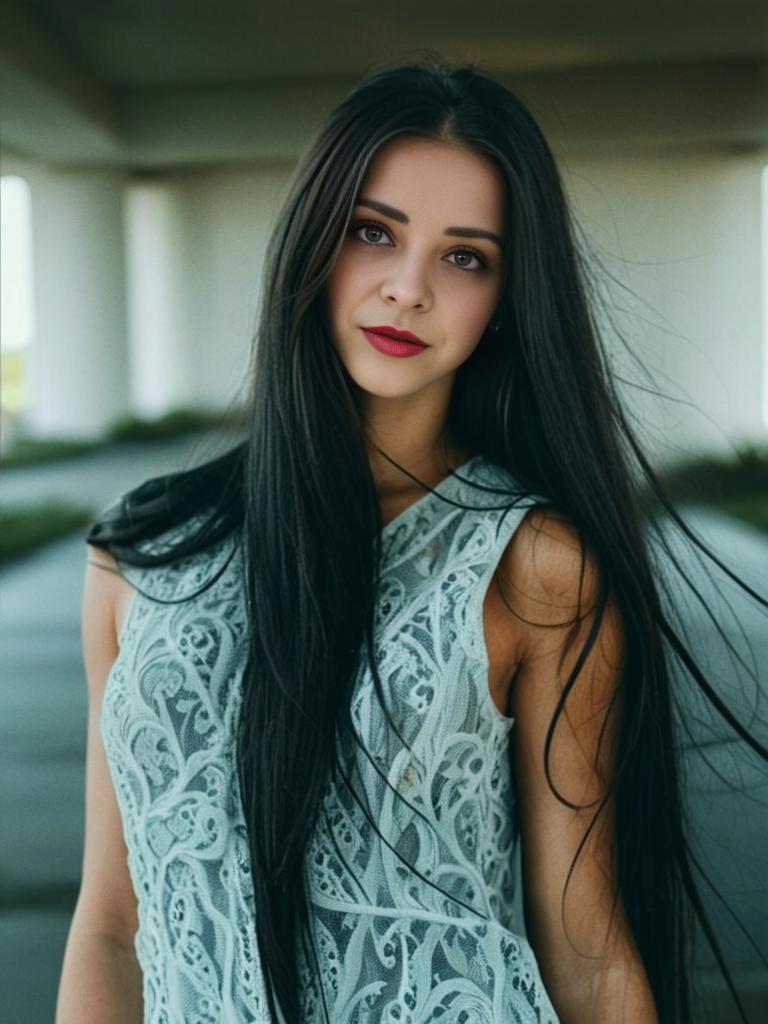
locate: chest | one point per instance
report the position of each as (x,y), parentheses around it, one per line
(501,628)
(501,631)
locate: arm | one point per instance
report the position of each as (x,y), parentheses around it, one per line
(585,949)
(100,979)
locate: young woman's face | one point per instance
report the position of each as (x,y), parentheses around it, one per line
(422,254)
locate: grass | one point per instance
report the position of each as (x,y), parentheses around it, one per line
(41,896)
(28,450)
(750,510)
(181,421)
(38,450)
(737,487)
(25,527)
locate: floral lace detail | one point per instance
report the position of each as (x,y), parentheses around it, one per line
(411,928)
(406,950)
(169,722)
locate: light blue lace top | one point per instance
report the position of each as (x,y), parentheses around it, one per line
(391,946)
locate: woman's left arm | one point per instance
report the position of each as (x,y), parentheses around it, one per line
(587,956)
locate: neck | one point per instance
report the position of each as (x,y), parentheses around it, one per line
(412,431)
(429,463)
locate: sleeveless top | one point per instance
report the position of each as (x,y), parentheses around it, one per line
(413,927)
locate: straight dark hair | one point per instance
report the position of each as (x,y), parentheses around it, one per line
(539,399)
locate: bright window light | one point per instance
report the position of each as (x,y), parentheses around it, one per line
(16,309)
(764,287)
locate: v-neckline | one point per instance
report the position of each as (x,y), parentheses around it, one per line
(425,498)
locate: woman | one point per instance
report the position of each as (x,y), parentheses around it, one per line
(433,532)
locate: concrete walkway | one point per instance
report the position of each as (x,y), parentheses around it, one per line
(99,476)
(43,706)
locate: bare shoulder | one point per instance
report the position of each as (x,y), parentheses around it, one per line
(106,597)
(548,572)
(536,587)
(551,576)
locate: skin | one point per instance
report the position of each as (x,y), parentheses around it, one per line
(411,280)
(408,276)
(415,277)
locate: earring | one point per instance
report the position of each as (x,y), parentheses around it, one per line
(496,326)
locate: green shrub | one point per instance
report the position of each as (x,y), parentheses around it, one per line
(25,527)
(31,450)
(721,479)
(39,896)
(737,486)
(28,450)
(180,421)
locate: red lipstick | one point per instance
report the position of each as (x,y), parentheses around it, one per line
(393,332)
(393,342)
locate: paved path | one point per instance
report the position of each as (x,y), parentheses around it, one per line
(98,476)
(43,705)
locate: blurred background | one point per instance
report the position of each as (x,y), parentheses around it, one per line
(145,149)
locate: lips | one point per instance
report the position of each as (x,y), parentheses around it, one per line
(390,346)
(397,335)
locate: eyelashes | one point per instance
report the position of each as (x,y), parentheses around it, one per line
(464,250)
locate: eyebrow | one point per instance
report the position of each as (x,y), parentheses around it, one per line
(403,218)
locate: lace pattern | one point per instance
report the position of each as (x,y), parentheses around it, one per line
(411,928)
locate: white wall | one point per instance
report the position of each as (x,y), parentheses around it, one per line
(228,216)
(196,241)
(683,231)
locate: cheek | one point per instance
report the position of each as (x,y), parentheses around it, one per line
(344,295)
(469,309)
(344,281)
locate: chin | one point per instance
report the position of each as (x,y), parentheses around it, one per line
(379,388)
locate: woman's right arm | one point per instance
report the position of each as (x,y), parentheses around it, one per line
(101,980)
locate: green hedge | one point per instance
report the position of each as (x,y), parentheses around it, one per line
(181,421)
(33,450)
(737,486)
(42,896)
(722,479)
(29,450)
(25,527)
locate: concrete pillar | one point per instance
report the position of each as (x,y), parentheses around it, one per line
(157,266)
(78,370)
(228,213)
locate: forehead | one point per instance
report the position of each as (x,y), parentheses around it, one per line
(426,178)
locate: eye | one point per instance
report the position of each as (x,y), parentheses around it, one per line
(472,255)
(373,226)
(367,225)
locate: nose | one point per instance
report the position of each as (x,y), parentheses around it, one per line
(407,284)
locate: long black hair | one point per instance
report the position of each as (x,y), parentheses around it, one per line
(298,493)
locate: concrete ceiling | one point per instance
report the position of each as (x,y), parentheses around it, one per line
(143,82)
(135,44)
